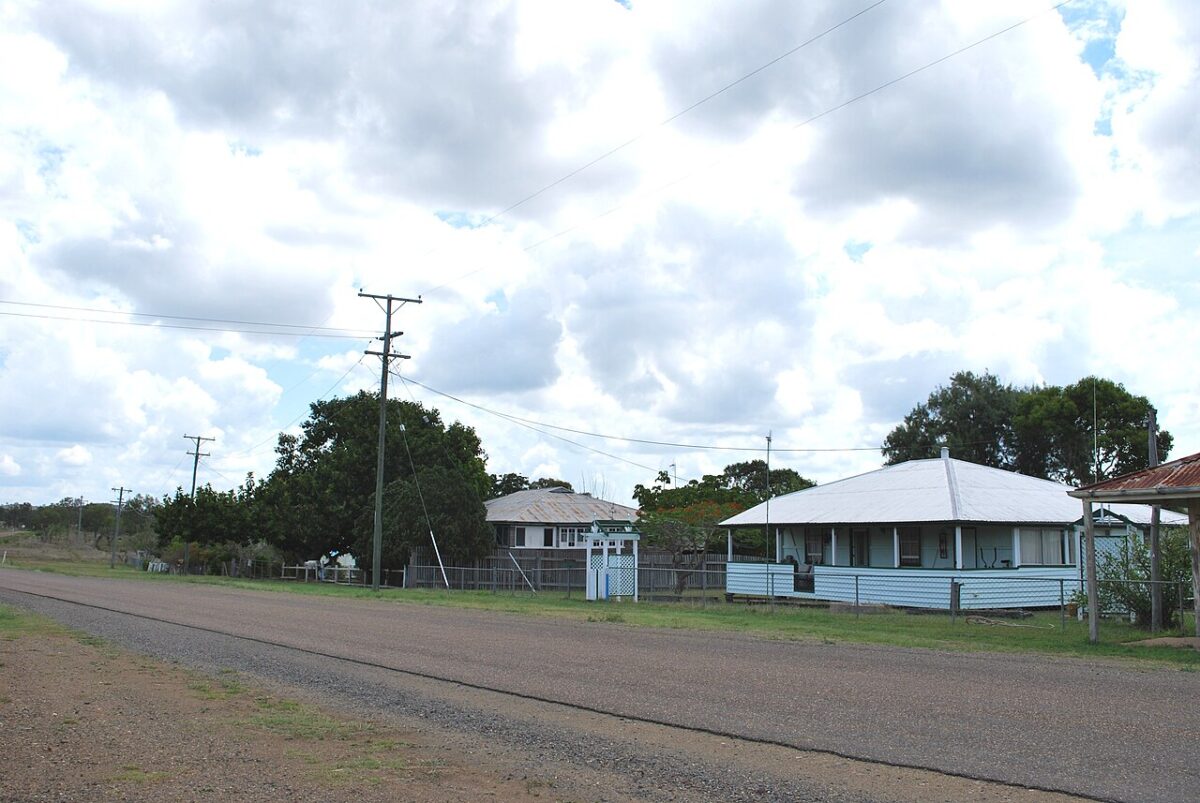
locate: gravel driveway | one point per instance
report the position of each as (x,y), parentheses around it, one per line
(1094,728)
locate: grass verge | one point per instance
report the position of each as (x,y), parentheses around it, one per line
(1044,633)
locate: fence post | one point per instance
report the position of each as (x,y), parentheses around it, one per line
(1062,604)
(953,601)
(771,586)
(704,583)
(1179,587)
(857,606)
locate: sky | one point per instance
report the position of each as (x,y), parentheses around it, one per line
(610,230)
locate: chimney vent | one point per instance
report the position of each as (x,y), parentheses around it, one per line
(945,452)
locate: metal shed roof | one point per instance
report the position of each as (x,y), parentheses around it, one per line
(936,490)
(554,506)
(1179,479)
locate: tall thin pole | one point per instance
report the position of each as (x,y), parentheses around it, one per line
(385,356)
(1155,561)
(195,466)
(768,511)
(112,547)
(79,524)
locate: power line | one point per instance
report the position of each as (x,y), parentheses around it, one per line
(181,326)
(529,426)
(672,118)
(299,415)
(318,328)
(647,441)
(814,118)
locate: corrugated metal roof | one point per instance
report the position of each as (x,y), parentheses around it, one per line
(554,506)
(936,490)
(1180,475)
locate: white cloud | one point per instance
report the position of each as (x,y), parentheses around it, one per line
(8,466)
(74,456)
(726,274)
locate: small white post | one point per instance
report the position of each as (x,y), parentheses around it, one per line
(958,558)
(833,546)
(896,547)
(1016,547)
(729,545)
(778,547)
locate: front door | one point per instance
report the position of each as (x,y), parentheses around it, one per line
(860,550)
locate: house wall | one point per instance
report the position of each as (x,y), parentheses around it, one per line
(1040,587)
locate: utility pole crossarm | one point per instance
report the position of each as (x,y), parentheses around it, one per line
(195,466)
(390,304)
(112,547)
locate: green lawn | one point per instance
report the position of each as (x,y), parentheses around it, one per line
(1043,633)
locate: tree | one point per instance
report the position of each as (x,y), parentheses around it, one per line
(456,515)
(972,415)
(686,533)
(1046,432)
(550,482)
(505,484)
(715,497)
(1086,432)
(211,518)
(1130,569)
(323,483)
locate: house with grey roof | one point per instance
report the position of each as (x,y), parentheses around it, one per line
(912,534)
(550,518)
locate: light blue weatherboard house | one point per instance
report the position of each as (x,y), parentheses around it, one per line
(913,534)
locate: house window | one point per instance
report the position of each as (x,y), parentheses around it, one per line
(1044,548)
(567,536)
(910,546)
(548,536)
(518,536)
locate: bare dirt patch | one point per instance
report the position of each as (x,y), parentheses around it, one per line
(82,721)
(1170,641)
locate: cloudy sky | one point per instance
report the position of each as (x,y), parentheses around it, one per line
(798,254)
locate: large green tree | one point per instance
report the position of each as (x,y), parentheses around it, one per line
(699,505)
(440,499)
(212,517)
(973,415)
(1090,430)
(322,487)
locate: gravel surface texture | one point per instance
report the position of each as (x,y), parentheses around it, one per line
(1095,728)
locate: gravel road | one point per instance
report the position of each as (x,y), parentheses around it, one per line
(1091,728)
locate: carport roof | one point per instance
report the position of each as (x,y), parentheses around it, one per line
(1177,480)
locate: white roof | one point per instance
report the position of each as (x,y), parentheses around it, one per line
(554,506)
(937,490)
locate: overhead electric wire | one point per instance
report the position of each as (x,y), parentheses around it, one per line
(182,326)
(318,328)
(647,441)
(521,423)
(298,416)
(808,121)
(676,115)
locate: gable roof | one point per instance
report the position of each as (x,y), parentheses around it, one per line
(554,506)
(936,490)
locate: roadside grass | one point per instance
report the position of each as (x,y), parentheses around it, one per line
(1043,633)
(131,773)
(294,720)
(15,622)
